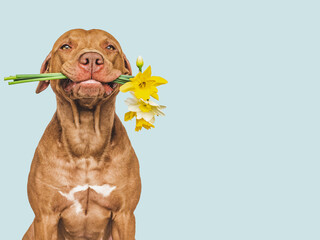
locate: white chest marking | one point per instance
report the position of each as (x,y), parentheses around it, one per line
(105,190)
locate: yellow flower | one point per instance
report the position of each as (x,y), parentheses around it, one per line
(144,85)
(140,123)
(143,109)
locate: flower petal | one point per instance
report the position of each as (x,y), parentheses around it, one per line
(131,101)
(134,108)
(140,93)
(129,115)
(127,87)
(158,80)
(151,103)
(147,125)
(147,73)
(152,120)
(155,95)
(142,123)
(146,116)
(159,112)
(138,128)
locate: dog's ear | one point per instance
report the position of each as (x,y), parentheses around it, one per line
(42,85)
(127,65)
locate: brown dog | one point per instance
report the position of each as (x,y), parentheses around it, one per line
(84,181)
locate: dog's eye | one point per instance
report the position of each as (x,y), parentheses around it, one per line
(65,46)
(110,47)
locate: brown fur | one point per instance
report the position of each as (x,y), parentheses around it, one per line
(85,143)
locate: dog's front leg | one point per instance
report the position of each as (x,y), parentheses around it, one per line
(123,226)
(46,227)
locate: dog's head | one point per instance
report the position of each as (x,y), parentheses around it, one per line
(91,60)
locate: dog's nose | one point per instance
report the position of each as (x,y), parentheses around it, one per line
(91,61)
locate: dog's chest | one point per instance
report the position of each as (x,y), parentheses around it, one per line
(82,196)
(89,195)
(89,183)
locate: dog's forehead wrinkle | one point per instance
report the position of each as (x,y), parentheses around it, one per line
(72,36)
(82,33)
(111,41)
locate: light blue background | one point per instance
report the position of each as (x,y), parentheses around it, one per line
(236,157)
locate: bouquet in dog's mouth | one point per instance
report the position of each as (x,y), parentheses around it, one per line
(142,87)
(24,78)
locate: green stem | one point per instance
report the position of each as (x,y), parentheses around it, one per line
(10,78)
(121,79)
(41,75)
(34,80)
(127,76)
(23,78)
(121,82)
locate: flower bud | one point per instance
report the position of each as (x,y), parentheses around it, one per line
(139,63)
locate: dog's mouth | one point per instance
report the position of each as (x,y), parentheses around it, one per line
(88,88)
